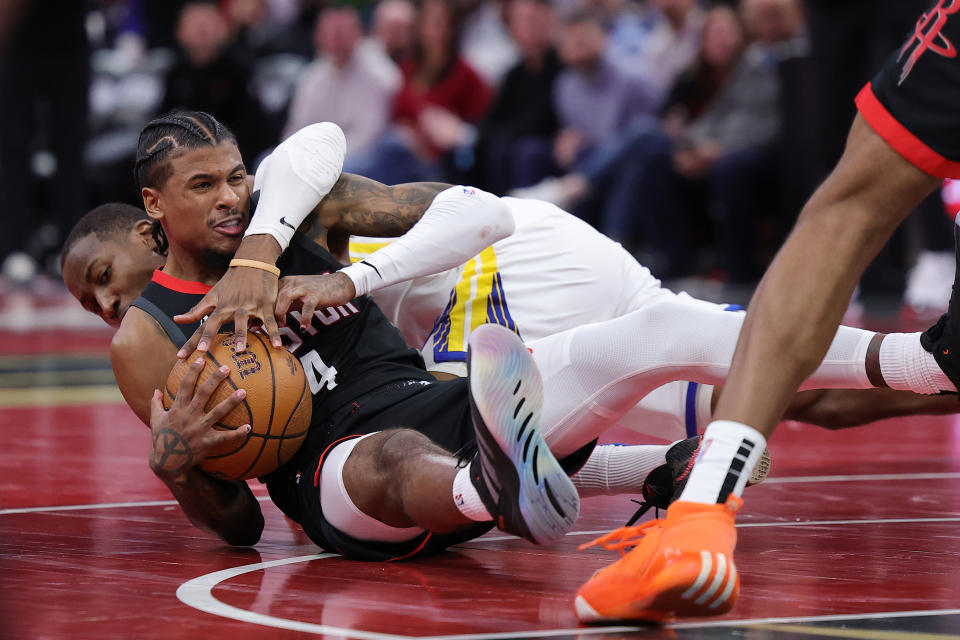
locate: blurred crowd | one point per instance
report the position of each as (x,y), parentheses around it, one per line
(691,132)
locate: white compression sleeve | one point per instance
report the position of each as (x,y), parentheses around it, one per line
(295,177)
(459,223)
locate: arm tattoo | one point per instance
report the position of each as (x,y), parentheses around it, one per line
(360,206)
(171,453)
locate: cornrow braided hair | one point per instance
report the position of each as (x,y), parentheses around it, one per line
(166,137)
(159,237)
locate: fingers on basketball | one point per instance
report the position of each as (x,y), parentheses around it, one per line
(276,404)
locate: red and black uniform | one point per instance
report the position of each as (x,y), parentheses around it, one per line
(363,377)
(914,102)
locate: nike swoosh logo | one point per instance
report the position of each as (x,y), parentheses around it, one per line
(283,221)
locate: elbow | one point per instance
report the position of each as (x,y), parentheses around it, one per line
(244,536)
(498,222)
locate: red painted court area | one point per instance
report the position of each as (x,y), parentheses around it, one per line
(854,535)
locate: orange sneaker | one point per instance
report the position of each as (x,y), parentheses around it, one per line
(679,566)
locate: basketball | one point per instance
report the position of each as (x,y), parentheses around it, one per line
(277,407)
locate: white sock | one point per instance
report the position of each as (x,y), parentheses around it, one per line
(728,454)
(906,365)
(616,468)
(466,498)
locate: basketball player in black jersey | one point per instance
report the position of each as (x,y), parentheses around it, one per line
(124,234)
(365,381)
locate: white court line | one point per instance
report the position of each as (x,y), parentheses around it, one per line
(831,618)
(875,477)
(791,523)
(101,505)
(786,479)
(198,593)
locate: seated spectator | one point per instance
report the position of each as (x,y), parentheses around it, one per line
(485,42)
(595,102)
(657,44)
(440,101)
(714,136)
(346,84)
(392,32)
(515,140)
(207,76)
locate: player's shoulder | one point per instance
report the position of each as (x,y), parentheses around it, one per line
(141,338)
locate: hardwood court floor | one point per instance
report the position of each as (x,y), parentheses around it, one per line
(854,535)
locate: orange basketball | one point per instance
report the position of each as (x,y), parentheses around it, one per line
(277,407)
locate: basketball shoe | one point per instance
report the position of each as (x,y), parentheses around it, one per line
(663,485)
(679,566)
(519,480)
(941,338)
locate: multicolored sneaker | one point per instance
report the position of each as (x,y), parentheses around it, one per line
(519,480)
(679,566)
(663,485)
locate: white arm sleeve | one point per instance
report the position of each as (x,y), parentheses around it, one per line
(459,223)
(295,177)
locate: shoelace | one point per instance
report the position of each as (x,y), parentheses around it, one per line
(645,506)
(624,538)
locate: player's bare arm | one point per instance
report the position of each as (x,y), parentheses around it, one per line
(803,295)
(142,356)
(364,207)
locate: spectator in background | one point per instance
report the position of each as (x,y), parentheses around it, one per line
(392,32)
(596,102)
(485,42)
(723,117)
(440,100)
(515,141)
(44,79)
(208,76)
(661,46)
(346,84)
(391,37)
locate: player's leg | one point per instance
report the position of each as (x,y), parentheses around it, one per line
(594,374)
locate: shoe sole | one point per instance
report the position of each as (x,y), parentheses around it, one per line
(761,470)
(537,500)
(695,586)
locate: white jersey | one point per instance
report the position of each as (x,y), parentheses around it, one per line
(555,272)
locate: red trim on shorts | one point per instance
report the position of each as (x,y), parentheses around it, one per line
(913,150)
(316,474)
(183,286)
(415,551)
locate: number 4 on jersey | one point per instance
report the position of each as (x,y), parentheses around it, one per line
(318,373)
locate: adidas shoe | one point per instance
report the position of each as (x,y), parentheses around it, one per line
(679,566)
(519,480)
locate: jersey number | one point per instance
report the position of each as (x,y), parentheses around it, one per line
(318,373)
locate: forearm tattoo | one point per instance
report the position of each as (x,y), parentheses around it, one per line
(366,207)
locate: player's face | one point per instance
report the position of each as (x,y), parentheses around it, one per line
(106,275)
(205,204)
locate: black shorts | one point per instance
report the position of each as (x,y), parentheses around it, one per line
(439,410)
(914,102)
